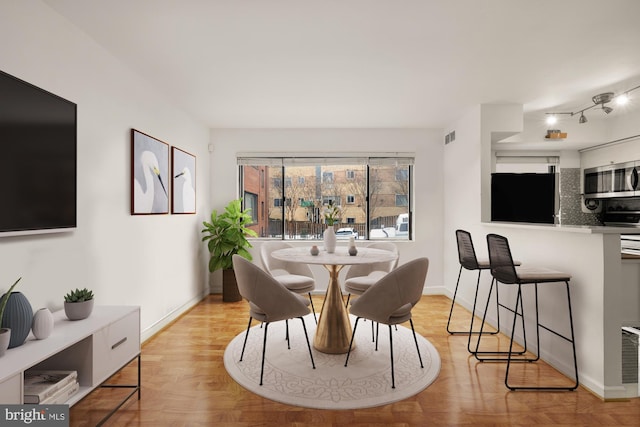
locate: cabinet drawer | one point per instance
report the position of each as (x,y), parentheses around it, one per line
(115,345)
(11,390)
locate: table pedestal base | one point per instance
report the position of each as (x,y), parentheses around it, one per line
(333,333)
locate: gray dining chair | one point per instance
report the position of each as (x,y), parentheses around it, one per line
(360,277)
(269,301)
(390,300)
(297,277)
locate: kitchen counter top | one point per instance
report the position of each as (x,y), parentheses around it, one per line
(587,229)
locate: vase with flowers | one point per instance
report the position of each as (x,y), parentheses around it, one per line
(331,216)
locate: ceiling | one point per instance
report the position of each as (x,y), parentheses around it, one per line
(367,63)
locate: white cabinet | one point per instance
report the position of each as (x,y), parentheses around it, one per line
(96,347)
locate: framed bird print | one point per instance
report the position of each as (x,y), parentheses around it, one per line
(149,175)
(183,189)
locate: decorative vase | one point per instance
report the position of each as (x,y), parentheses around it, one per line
(18,315)
(314,250)
(5,336)
(329,239)
(78,310)
(42,323)
(353,251)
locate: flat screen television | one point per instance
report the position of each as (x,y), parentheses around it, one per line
(38,140)
(523,197)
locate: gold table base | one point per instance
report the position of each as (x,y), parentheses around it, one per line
(334,327)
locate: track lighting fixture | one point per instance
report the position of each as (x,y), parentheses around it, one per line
(582,118)
(598,100)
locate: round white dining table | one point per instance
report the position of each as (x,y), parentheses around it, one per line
(334,328)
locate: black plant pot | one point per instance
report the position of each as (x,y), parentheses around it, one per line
(230,292)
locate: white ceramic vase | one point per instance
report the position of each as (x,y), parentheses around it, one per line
(42,325)
(329,238)
(5,336)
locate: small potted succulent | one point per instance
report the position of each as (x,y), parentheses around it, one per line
(78,304)
(5,333)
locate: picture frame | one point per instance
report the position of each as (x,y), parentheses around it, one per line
(183,187)
(149,175)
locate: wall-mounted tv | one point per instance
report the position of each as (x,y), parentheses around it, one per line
(523,197)
(38,139)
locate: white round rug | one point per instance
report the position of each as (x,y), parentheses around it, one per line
(365,382)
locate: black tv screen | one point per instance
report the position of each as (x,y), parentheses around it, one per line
(523,197)
(38,141)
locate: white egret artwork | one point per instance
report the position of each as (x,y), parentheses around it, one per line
(183,171)
(150,171)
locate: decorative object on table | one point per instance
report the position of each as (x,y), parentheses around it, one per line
(5,333)
(331,216)
(353,251)
(17,316)
(149,174)
(227,236)
(42,324)
(183,190)
(78,304)
(40,386)
(314,250)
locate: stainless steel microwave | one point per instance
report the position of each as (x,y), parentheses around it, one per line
(618,180)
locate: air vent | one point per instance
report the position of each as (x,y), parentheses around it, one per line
(450,137)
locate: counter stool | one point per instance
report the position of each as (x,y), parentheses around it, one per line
(469,261)
(505,271)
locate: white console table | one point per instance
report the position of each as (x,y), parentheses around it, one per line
(97,347)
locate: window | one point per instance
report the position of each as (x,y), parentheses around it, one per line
(372,193)
(251,202)
(401,200)
(402,174)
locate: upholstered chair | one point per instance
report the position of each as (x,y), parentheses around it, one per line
(297,277)
(390,300)
(269,301)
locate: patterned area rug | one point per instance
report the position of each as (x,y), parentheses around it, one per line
(365,382)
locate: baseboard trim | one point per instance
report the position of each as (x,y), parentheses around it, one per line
(171,317)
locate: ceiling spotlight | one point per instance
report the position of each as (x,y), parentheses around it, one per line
(551,119)
(603,98)
(582,118)
(606,109)
(622,99)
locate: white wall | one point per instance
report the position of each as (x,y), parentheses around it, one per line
(155,261)
(428,197)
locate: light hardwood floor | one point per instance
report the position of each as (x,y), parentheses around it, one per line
(184,383)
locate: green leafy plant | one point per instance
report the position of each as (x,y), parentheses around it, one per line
(227,235)
(332,213)
(5,299)
(79,295)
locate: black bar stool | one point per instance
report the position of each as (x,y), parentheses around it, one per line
(505,271)
(469,261)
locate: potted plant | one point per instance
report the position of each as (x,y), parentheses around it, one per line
(226,235)
(5,333)
(332,215)
(78,304)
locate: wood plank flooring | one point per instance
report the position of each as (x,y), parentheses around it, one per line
(184,383)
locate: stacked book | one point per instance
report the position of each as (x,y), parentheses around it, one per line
(49,387)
